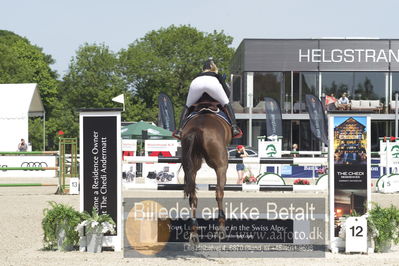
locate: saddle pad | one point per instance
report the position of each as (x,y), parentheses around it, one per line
(218,113)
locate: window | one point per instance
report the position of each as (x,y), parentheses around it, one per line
(369,86)
(358,85)
(236,84)
(304,83)
(395,84)
(336,83)
(268,84)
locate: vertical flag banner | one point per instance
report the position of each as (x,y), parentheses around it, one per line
(273,118)
(166,113)
(317,118)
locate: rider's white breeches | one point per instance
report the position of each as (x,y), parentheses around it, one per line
(209,85)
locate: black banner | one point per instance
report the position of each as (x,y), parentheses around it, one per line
(273,118)
(237,231)
(166,113)
(350,176)
(100,165)
(317,118)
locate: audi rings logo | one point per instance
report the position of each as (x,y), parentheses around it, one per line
(34,164)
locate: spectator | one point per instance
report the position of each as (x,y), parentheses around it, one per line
(343,102)
(22,146)
(331,102)
(240,153)
(294,149)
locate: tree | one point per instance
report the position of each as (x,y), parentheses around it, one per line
(167,60)
(22,62)
(93,79)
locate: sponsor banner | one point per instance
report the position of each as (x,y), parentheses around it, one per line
(129,172)
(255,227)
(27,161)
(351,171)
(317,118)
(273,118)
(100,165)
(269,149)
(129,145)
(160,172)
(161,145)
(392,157)
(166,112)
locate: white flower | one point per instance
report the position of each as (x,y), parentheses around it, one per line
(106,226)
(80,226)
(94,224)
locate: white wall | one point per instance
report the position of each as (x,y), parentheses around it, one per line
(12,131)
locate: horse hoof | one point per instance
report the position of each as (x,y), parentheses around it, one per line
(194,239)
(221,233)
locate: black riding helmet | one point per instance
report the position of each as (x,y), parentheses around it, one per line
(208,64)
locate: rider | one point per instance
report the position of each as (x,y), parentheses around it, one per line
(211,82)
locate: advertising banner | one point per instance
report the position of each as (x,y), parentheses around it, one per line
(129,145)
(255,227)
(101,166)
(273,118)
(317,118)
(269,149)
(390,158)
(166,112)
(160,172)
(27,161)
(350,170)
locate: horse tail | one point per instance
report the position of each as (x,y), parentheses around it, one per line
(191,158)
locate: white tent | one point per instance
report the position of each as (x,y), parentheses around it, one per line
(17,103)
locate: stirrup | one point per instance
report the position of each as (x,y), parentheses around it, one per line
(236,132)
(177,134)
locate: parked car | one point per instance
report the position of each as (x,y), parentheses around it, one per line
(252,152)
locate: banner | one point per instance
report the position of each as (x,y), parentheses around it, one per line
(100,167)
(269,149)
(27,161)
(166,113)
(350,171)
(273,118)
(317,118)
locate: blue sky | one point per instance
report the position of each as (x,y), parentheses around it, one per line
(60,27)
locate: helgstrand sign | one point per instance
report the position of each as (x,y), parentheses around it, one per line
(348,55)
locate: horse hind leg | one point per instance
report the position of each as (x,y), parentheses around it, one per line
(194,238)
(221,182)
(193,201)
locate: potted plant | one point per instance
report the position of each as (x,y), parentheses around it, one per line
(300,181)
(95,226)
(58,225)
(383,226)
(249,177)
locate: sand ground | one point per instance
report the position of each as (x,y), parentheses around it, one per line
(21,212)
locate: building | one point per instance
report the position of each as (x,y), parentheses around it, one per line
(288,69)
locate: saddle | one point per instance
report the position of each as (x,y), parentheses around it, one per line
(206,104)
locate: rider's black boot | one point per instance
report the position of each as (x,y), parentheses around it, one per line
(184,113)
(230,112)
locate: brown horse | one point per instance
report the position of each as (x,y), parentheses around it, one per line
(205,137)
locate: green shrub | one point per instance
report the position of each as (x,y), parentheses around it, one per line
(383,225)
(58,217)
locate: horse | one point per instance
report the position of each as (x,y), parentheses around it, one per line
(205,136)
